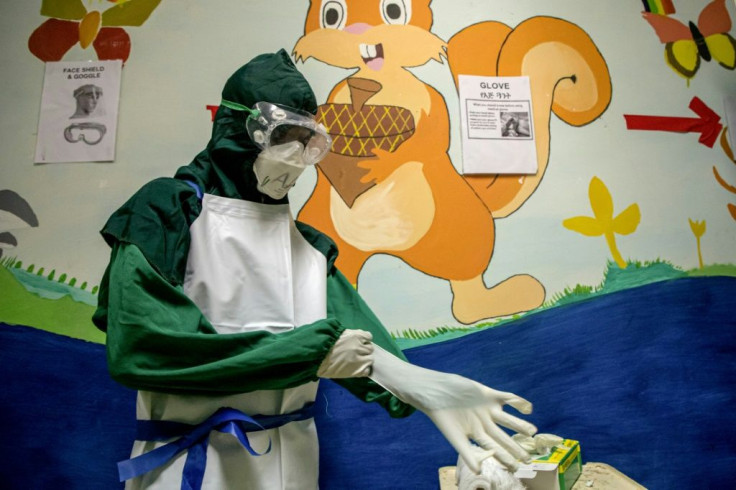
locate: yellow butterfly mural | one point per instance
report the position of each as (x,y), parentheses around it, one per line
(685,45)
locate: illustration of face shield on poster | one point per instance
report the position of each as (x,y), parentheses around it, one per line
(79,112)
(496,120)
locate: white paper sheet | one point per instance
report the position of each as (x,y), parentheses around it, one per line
(729,104)
(79,112)
(497,125)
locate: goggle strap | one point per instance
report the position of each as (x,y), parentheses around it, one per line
(240,107)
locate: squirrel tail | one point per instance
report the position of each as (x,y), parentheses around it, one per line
(568,77)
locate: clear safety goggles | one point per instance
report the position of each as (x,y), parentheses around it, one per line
(270,125)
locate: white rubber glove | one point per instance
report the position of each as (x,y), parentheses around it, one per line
(462,409)
(492,476)
(350,357)
(539,445)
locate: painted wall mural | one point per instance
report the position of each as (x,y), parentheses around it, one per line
(15,212)
(686,45)
(730,188)
(603,223)
(393,185)
(102,27)
(609,274)
(405,198)
(708,124)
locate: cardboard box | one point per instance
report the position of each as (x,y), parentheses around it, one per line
(556,471)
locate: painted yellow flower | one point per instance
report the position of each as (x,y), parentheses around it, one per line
(603,222)
(698,228)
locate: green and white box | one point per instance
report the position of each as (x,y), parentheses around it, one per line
(557,470)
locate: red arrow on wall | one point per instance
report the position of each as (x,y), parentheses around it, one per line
(213,110)
(707,124)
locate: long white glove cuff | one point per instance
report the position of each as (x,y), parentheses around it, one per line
(350,357)
(429,390)
(466,412)
(411,384)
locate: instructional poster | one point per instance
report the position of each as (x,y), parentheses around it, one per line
(729,103)
(79,112)
(497,125)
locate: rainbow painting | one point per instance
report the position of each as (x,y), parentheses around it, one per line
(663,7)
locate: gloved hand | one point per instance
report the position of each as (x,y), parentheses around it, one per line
(350,357)
(462,409)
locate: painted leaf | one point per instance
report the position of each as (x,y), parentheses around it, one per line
(7,240)
(52,39)
(112,43)
(13,206)
(600,200)
(732,210)
(132,13)
(88,28)
(585,225)
(627,222)
(726,146)
(63,9)
(722,181)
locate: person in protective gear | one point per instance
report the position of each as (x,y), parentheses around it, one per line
(224,312)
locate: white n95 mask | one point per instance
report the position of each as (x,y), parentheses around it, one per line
(278,167)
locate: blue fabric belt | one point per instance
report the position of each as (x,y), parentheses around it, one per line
(195,439)
(196,189)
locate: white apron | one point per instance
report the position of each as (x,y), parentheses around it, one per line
(248,269)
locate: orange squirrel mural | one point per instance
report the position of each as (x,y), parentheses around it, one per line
(388,185)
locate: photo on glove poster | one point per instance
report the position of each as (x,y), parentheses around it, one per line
(497,125)
(79,112)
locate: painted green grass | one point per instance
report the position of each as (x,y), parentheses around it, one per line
(614,279)
(51,283)
(714,270)
(617,279)
(63,316)
(66,309)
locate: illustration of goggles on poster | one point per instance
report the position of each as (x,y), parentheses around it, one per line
(79,112)
(497,125)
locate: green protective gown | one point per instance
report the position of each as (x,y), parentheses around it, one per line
(158,340)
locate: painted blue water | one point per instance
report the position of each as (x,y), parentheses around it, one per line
(644,378)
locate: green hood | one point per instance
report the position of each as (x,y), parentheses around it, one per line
(157,218)
(225,167)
